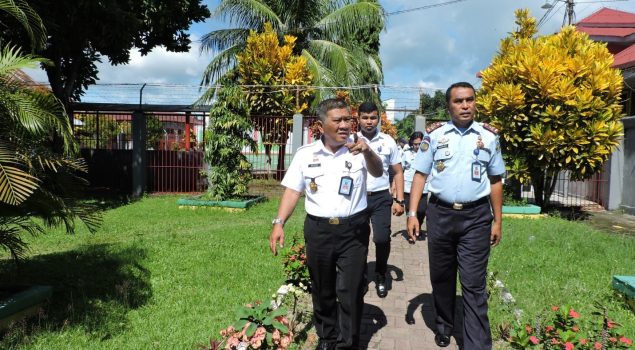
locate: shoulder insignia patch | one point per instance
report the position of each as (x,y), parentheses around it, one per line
(434,126)
(490,128)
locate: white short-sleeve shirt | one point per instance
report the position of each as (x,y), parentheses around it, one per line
(314,163)
(387,149)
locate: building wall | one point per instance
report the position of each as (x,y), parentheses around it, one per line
(628,188)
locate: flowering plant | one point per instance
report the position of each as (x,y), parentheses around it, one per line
(295,266)
(564,328)
(259,326)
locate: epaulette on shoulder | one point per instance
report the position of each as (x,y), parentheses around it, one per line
(490,128)
(434,126)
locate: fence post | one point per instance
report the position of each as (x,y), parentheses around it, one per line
(138,153)
(616,176)
(420,123)
(298,131)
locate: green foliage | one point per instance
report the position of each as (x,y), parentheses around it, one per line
(553,261)
(433,107)
(565,328)
(327,35)
(154,131)
(265,62)
(295,266)
(186,270)
(259,326)
(228,134)
(556,101)
(38,186)
(82,32)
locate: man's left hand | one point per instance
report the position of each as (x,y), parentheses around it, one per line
(496,235)
(397,209)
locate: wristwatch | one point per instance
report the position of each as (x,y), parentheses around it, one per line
(411,214)
(400,202)
(277,221)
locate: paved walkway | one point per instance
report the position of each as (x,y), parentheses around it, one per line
(385,325)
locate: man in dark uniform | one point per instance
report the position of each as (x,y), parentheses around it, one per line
(464,214)
(380,203)
(332,174)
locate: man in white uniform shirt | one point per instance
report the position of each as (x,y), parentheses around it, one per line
(380,202)
(332,173)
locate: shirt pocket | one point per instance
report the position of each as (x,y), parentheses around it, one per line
(443,154)
(357,174)
(484,157)
(313,174)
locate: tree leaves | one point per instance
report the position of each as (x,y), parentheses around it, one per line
(555,99)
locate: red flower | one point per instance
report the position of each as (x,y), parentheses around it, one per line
(574,314)
(625,340)
(554,341)
(533,340)
(528,329)
(555,308)
(613,340)
(568,346)
(610,324)
(549,329)
(583,341)
(597,346)
(575,328)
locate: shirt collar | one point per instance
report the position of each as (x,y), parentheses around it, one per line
(474,127)
(322,148)
(378,135)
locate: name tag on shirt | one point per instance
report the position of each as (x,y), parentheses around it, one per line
(476,171)
(315,165)
(346,186)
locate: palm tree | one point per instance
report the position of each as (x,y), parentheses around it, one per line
(35,181)
(323,29)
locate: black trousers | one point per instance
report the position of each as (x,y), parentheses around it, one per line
(421,208)
(460,239)
(336,257)
(379,209)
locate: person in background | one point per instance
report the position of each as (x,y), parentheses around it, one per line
(407,161)
(464,214)
(332,174)
(380,201)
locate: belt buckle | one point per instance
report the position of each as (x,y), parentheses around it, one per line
(334,221)
(457,206)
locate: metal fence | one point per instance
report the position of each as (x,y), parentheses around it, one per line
(175,147)
(591,194)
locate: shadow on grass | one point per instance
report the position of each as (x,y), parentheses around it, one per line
(568,213)
(93,289)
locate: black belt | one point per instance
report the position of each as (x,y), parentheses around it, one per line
(458,206)
(337,220)
(370,193)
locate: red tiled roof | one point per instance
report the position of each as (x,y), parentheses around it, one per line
(603,31)
(606,17)
(625,58)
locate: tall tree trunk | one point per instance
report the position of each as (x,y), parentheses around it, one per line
(538,181)
(550,184)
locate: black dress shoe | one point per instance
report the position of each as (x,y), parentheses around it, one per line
(324,345)
(380,285)
(442,340)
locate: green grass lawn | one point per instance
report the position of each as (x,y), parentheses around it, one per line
(158,277)
(553,261)
(153,277)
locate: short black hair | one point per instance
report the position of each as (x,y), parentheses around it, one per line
(415,135)
(461,84)
(368,107)
(329,104)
